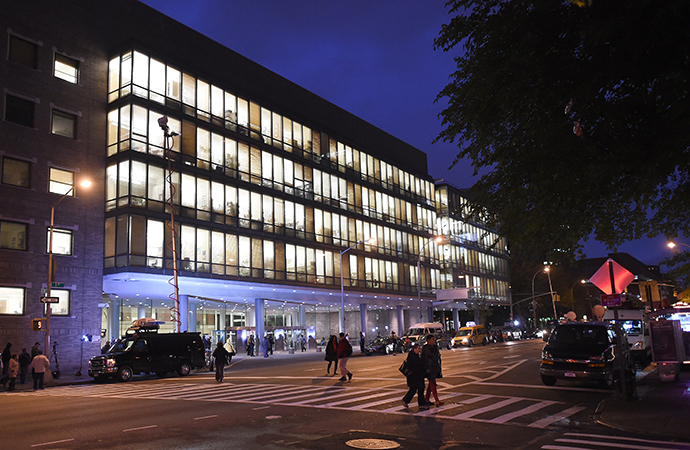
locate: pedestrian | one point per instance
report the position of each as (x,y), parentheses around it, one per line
(415,378)
(271,343)
(34,350)
(332,354)
(344,353)
(39,365)
(24,363)
(250,346)
(220,355)
(431,357)
(13,371)
(6,356)
(266,345)
(361,342)
(303,343)
(230,349)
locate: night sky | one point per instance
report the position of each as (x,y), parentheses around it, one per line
(374,59)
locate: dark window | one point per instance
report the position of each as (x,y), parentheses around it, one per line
(18,110)
(13,235)
(15,172)
(23,52)
(63,124)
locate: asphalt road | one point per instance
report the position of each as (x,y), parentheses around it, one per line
(493,398)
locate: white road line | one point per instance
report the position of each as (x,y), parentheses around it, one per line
(359,398)
(345,393)
(273,395)
(492,407)
(523,412)
(139,428)
(546,421)
(51,443)
(612,444)
(206,417)
(540,386)
(630,439)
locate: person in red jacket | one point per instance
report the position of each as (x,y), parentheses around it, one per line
(344,352)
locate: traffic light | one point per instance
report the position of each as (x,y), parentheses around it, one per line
(39,324)
(556,298)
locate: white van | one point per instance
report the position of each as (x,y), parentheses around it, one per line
(636,325)
(419,331)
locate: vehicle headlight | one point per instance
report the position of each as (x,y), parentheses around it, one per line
(110,362)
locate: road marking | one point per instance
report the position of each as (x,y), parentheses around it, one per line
(52,442)
(497,405)
(522,412)
(546,421)
(139,428)
(260,407)
(541,386)
(207,417)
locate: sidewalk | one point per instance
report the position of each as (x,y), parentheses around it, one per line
(661,408)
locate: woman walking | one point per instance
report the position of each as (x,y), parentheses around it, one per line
(415,378)
(332,354)
(431,357)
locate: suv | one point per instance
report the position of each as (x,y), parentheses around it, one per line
(419,332)
(145,350)
(469,336)
(587,351)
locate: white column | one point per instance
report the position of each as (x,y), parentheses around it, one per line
(302,317)
(259,319)
(456,319)
(430,314)
(184,313)
(363,319)
(191,324)
(141,312)
(401,321)
(114,318)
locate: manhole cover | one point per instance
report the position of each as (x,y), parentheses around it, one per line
(372,443)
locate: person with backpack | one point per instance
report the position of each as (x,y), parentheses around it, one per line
(415,374)
(344,353)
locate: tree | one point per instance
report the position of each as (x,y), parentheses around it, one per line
(576,115)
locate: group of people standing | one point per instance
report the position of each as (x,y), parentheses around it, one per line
(338,351)
(423,362)
(14,366)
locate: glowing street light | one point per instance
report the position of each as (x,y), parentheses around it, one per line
(84,184)
(672,244)
(371,241)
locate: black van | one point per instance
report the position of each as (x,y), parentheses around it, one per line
(144,350)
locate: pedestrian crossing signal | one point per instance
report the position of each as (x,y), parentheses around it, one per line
(38,324)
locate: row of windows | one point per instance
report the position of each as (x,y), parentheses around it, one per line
(14,236)
(212,151)
(468,234)
(468,259)
(133,183)
(25,52)
(17,172)
(138,241)
(13,301)
(136,73)
(21,111)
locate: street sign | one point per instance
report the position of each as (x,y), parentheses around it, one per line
(57,285)
(622,277)
(610,300)
(50,299)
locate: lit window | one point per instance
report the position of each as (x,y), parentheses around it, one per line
(61,181)
(61,308)
(62,242)
(23,52)
(66,69)
(15,172)
(19,111)
(63,124)
(13,235)
(12,300)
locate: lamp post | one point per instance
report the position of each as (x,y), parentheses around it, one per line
(84,184)
(572,293)
(342,284)
(419,273)
(672,244)
(547,269)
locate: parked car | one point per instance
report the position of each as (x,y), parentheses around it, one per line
(419,332)
(144,350)
(384,345)
(512,333)
(469,336)
(591,351)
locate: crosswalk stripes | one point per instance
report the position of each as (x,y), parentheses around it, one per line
(576,441)
(459,406)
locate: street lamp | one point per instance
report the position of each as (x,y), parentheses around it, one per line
(438,239)
(546,269)
(84,184)
(342,285)
(572,293)
(672,244)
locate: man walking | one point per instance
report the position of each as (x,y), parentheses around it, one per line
(24,363)
(344,353)
(39,365)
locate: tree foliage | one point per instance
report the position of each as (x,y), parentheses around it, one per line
(576,115)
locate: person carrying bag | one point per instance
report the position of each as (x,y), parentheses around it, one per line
(413,369)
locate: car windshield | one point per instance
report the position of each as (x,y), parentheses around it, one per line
(466,332)
(579,335)
(122,345)
(415,331)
